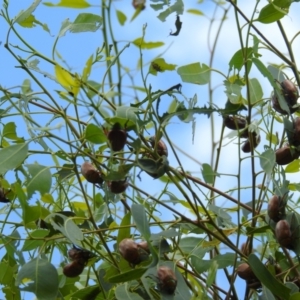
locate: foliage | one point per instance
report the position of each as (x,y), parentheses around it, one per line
(136,221)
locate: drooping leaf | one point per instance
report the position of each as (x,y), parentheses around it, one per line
(194,73)
(256,92)
(121,17)
(70,4)
(267,160)
(208,173)
(12,157)
(140,219)
(141,43)
(44,287)
(233,91)
(240,57)
(127,276)
(40,179)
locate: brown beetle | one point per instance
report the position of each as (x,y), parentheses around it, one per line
(276,208)
(3,198)
(91,174)
(161,147)
(284,235)
(284,156)
(117,137)
(80,254)
(167,280)
(132,252)
(118,187)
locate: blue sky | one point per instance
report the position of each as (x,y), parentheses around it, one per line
(190,46)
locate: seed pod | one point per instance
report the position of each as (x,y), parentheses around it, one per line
(247,146)
(167,280)
(283,234)
(235,122)
(245,272)
(73,269)
(144,246)
(161,147)
(131,252)
(118,187)
(290,92)
(117,137)
(284,156)
(276,208)
(139,4)
(91,174)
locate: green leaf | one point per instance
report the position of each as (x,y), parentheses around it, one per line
(87,69)
(12,157)
(154,168)
(6,273)
(272,138)
(177,7)
(256,92)
(9,132)
(31,243)
(140,219)
(271,13)
(95,134)
(267,160)
(159,65)
(43,276)
(70,4)
(40,180)
(121,17)
(86,293)
(124,231)
(23,15)
(127,276)
(240,57)
(139,42)
(123,292)
(293,167)
(212,271)
(266,278)
(208,173)
(194,73)
(195,12)
(233,91)
(86,22)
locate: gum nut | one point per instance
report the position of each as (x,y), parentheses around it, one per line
(73,269)
(129,250)
(90,173)
(235,122)
(290,92)
(276,208)
(117,137)
(284,156)
(283,234)
(161,146)
(167,280)
(144,245)
(118,187)
(245,272)
(276,105)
